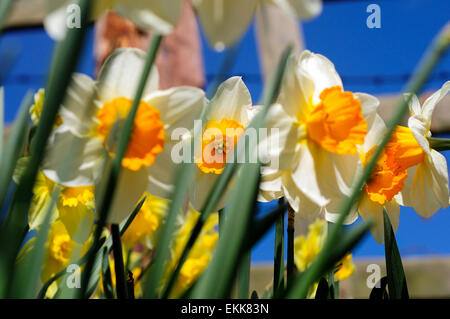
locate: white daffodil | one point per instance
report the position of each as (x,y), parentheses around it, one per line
(230,115)
(157,15)
(224,21)
(408,172)
(89,114)
(426,188)
(321,127)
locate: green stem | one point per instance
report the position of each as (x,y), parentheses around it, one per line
(221,220)
(278,262)
(290,245)
(318,267)
(244,276)
(439,144)
(121,286)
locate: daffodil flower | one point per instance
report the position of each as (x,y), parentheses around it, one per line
(200,254)
(59,250)
(426,188)
(409,172)
(145,226)
(74,206)
(231,113)
(90,112)
(157,15)
(321,127)
(224,21)
(307,248)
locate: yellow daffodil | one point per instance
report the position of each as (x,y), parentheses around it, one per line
(321,128)
(346,268)
(90,112)
(200,254)
(306,249)
(157,15)
(144,227)
(59,252)
(224,21)
(231,113)
(74,206)
(408,172)
(36,108)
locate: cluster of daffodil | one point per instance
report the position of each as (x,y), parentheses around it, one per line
(326,135)
(324,138)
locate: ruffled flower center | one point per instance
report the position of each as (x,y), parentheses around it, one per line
(61,248)
(74,196)
(148,135)
(401,153)
(218,142)
(337,123)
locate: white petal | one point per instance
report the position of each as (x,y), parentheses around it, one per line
(83,165)
(369,104)
(419,128)
(296,91)
(224,21)
(433,100)
(376,128)
(270,187)
(393,211)
(321,71)
(161,16)
(120,75)
(162,173)
(299,201)
(414,104)
(201,187)
(282,144)
(369,209)
(303,9)
(305,176)
(55,23)
(179,107)
(78,110)
(129,189)
(231,101)
(427,190)
(252,111)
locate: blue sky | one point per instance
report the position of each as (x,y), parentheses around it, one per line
(369,60)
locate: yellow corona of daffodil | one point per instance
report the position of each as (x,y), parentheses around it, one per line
(59,252)
(90,111)
(408,172)
(200,254)
(224,21)
(74,206)
(157,15)
(320,130)
(306,249)
(230,115)
(36,108)
(144,227)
